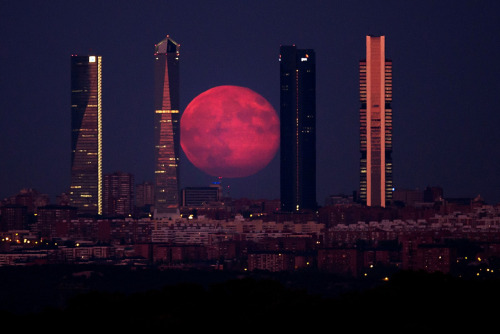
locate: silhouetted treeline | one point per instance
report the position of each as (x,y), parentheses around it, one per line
(409,302)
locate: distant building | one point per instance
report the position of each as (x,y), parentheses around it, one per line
(342,261)
(63,199)
(50,216)
(339,199)
(273,261)
(199,196)
(375,188)
(167,127)
(433,194)
(28,197)
(118,198)
(13,217)
(408,197)
(144,194)
(298,129)
(86,134)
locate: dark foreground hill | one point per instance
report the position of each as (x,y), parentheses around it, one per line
(120,299)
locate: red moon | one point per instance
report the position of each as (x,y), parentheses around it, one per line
(230,131)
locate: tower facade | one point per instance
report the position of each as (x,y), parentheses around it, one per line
(86,134)
(376,186)
(166,123)
(298,129)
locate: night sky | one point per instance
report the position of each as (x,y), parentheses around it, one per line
(446,70)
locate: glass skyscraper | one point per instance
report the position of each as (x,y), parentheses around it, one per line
(86,134)
(167,127)
(298,129)
(375,187)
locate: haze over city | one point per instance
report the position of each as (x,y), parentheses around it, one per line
(445,85)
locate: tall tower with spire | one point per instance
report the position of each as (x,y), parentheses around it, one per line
(167,127)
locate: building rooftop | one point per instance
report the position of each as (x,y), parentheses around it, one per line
(167,45)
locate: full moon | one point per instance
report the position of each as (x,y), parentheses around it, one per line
(230,131)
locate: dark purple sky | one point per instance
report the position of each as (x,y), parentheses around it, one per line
(446,90)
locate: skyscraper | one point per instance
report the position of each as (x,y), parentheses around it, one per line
(298,129)
(375,188)
(86,134)
(166,120)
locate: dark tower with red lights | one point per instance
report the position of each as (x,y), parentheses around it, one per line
(298,129)
(167,127)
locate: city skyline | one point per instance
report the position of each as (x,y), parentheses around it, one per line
(444,77)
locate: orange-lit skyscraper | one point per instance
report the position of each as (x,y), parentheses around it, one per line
(166,122)
(86,134)
(375,187)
